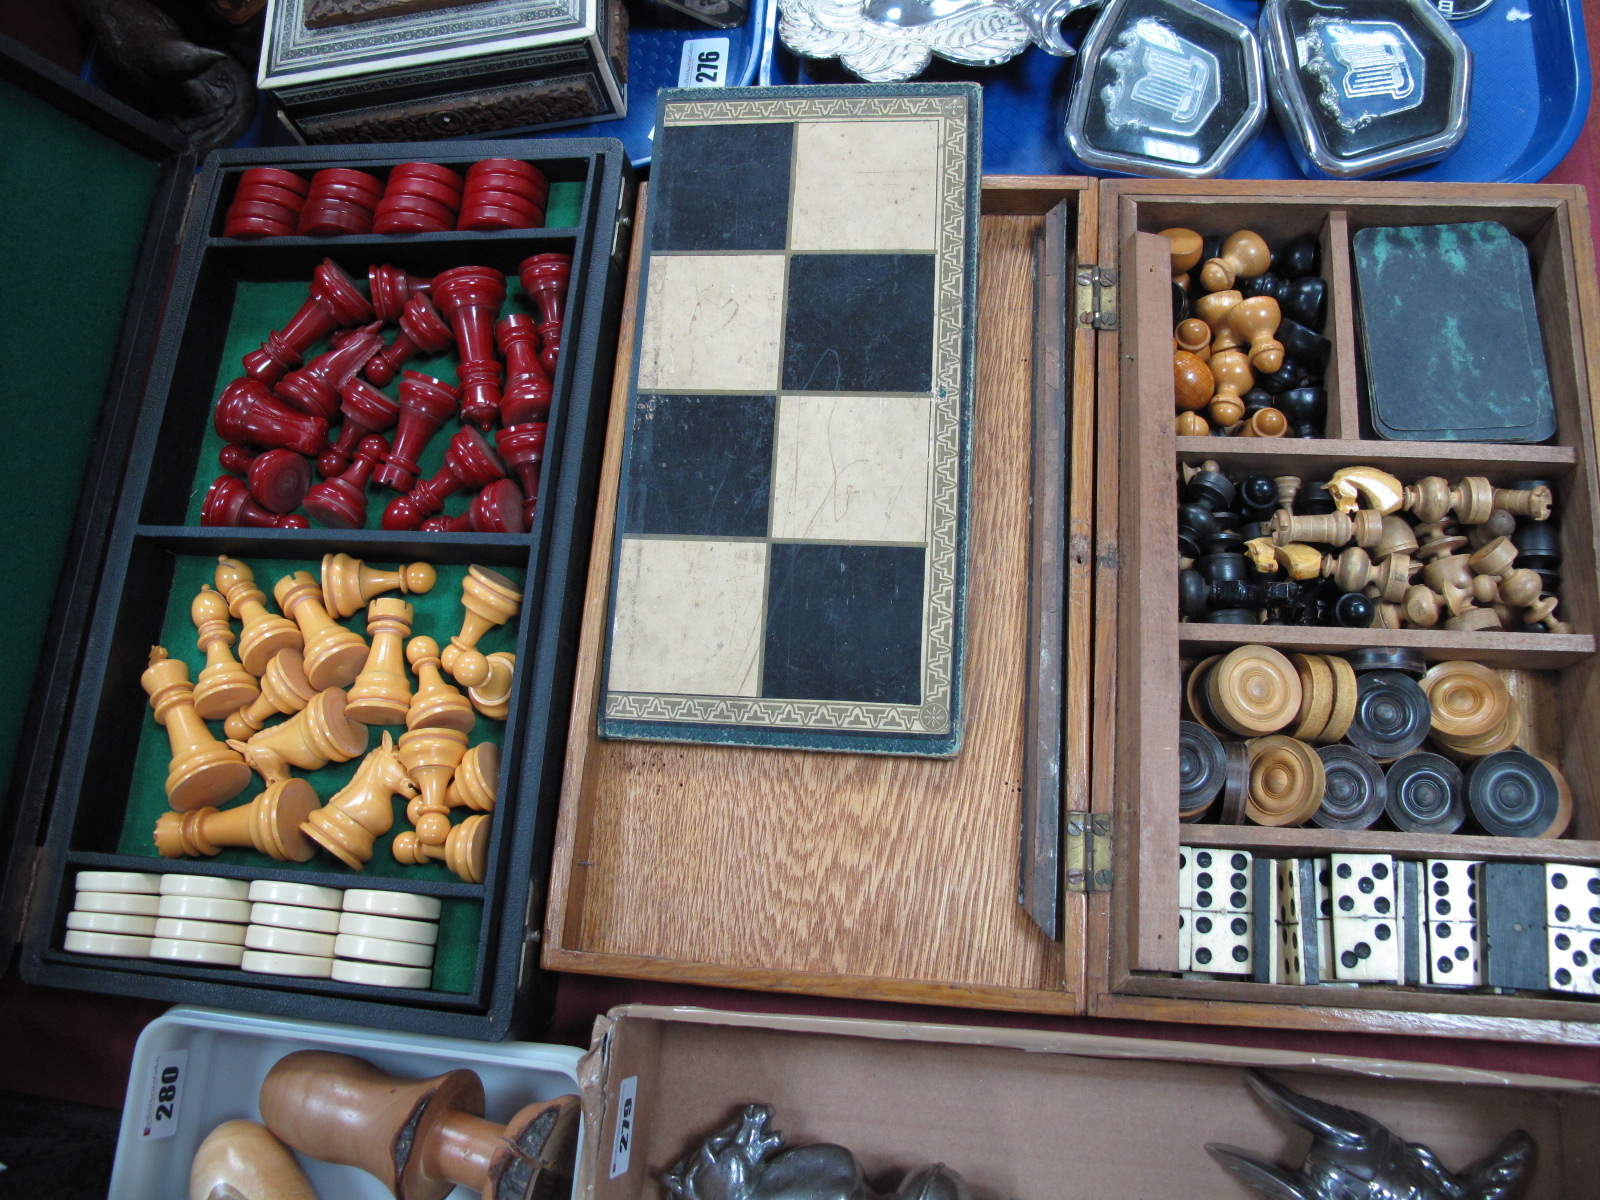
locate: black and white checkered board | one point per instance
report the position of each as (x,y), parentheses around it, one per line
(791,529)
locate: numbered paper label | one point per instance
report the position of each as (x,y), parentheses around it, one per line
(165,1093)
(622,1140)
(704,63)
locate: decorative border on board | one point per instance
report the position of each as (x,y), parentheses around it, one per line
(947,444)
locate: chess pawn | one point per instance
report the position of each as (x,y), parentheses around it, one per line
(334,303)
(493,697)
(315,387)
(422,331)
(249,413)
(1186,247)
(436,704)
(470,299)
(419,1138)
(465,851)
(241,1160)
(334,655)
(477,779)
(1244,256)
(264,633)
(366,411)
(426,403)
(1191,424)
(269,824)
(469,462)
(1396,537)
(229,504)
(1387,616)
(1192,383)
(1231,370)
(1214,310)
(1288,489)
(1542,615)
(1193,335)
(285,690)
(203,771)
(522,448)
(496,509)
(1256,320)
(392,288)
(381,694)
(490,600)
(1265,423)
(1500,523)
(544,278)
(431,757)
(349,824)
(349,585)
(223,685)
(318,734)
(341,502)
(1421,606)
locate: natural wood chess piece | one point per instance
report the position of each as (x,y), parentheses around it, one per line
(1255,321)
(1191,424)
(490,600)
(285,690)
(1349,486)
(1193,335)
(421,1138)
(381,694)
(1244,256)
(223,685)
(465,851)
(1186,248)
(1533,503)
(1214,310)
(1422,606)
(1298,560)
(1231,370)
(477,779)
(1265,423)
(1494,563)
(203,771)
(1288,487)
(270,824)
(333,654)
(1192,384)
(241,1160)
(1395,537)
(431,757)
(265,633)
(493,697)
(348,824)
(1327,529)
(318,734)
(1541,613)
(436,704)
(349,585)
(1500,524)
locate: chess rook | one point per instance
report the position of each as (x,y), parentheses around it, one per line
(270,824)
(203,771)
(334,302)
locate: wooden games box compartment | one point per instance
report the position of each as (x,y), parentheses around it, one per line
(1140,656)
(226,296)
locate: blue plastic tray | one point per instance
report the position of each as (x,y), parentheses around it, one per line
(1530,95)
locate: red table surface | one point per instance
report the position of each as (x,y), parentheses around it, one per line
(79,1047)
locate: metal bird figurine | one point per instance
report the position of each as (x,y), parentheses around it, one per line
(744,1161)
(1352,1157)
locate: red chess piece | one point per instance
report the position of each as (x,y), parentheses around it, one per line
(314,388)
(470,299)
(390,288)
(248,412)
(422,331)
(341,503)
(522,448)
(425,404)
(228,502)
(527,394)
(334,302)
(235,459)
(278,480)
(366,410)
(496,509)
(545,278)
(469,462)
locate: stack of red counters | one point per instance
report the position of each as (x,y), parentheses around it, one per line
(341,201)
(421,198)
(503,193)
(267,204)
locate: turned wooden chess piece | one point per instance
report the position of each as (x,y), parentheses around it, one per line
(1192,383)
(349,824)
(421,1138)
(436,704)
(381,694)
(490,600)
(1494,564)
(1265,423)
(318,734)
(1186,248)
(333,654)
(469,298)
(1231,370)
(431,757)
(335,302)
(1194,335)
(465,852)
(1255,321)
(1191,424)
(367,412)
(349,585)
(1349,486)
(493,697)
(1214,310)
(1244,256)
(264,633)
(270,824)
(241,1160)
(203,771)
(477,779)
(223,685)
(285,690)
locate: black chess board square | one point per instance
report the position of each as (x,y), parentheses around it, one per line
(844,623)
(699,465)
(722,187)
(859,323)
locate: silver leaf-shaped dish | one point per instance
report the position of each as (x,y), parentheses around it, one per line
(978,34)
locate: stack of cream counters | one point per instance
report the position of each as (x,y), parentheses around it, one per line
(292,927)
(201,920)
(386,939)
(114,913)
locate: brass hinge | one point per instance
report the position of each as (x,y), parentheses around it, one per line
(1095,296)
(1088,852)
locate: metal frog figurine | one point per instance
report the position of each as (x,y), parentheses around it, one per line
(744,1161)
(1352,1157)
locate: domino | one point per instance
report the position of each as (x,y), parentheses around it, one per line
(1452,889)
(1516,951)
(1572,896)
(1222,943)
(1366,949)
(1222,882)
(1453,956)
(1363,886)
(1574,961)
(1411,891)
(1265,928)
(1185,939)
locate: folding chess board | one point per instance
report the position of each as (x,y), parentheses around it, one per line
(791,528)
